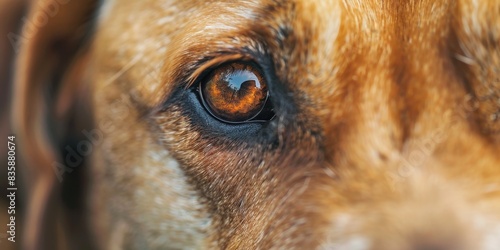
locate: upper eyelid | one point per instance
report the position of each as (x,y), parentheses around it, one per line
(252,51)
(214,62)
(188,65)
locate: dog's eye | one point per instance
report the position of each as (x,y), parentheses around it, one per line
(236,93)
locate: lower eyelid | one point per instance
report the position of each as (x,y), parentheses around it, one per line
(211,126)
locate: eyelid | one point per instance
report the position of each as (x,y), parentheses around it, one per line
(215,62)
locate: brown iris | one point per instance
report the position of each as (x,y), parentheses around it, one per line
(235,92)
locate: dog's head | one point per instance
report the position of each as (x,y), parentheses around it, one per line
(271,124)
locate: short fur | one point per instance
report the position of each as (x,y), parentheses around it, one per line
(386,136)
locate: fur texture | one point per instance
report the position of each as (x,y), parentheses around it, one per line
(386,133)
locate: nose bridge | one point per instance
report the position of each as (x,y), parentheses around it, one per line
(406,130)
(366,103)
(396,89)
(400,136)
(399,107)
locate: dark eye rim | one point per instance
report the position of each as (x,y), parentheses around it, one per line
(259,117)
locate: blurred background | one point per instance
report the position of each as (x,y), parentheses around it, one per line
(59,205)
(11,13)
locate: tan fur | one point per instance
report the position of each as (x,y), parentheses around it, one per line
(386,135)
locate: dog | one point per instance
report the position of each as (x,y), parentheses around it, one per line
(257,124)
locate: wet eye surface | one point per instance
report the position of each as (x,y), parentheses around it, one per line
(236,93)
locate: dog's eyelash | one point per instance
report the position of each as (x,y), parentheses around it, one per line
(197,69)
(205,67)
